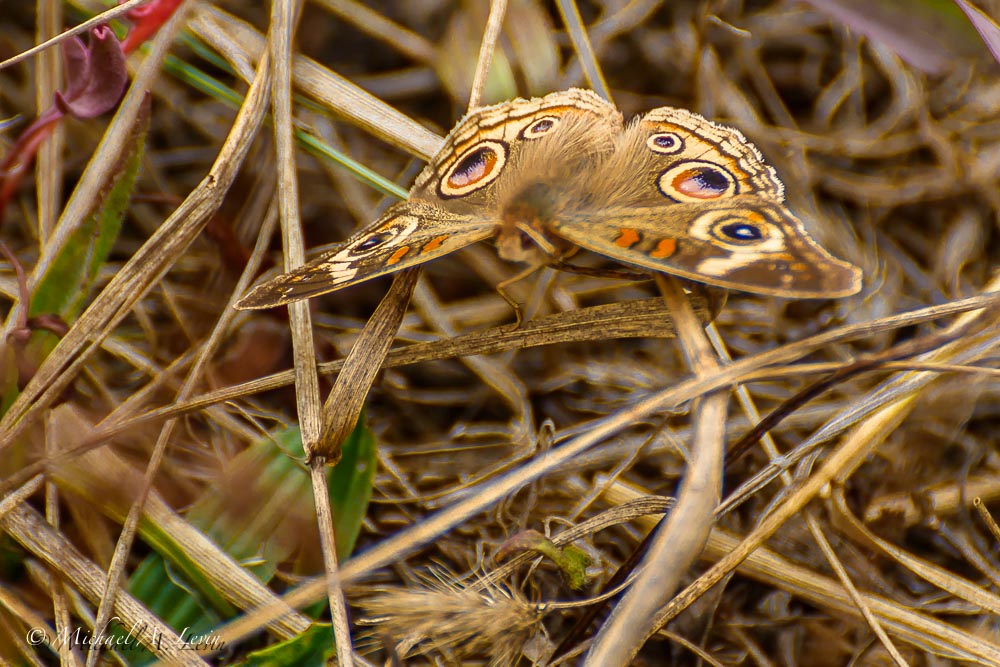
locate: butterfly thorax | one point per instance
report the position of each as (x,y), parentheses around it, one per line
(523,234)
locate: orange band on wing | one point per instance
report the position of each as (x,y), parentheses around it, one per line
(665,248)
(628,238)
(398,255)
(434,244)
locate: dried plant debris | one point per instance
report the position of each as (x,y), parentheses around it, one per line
(117,314)
(443,616)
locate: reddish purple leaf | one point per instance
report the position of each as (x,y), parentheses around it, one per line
(96,75)
(920,32)
(987,27)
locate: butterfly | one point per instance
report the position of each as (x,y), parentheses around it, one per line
(670,192)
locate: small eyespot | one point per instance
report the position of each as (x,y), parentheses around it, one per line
(372,241)
(741,231)
(540,127)
(697,181)
(479,167)
(391,230)
(666,143)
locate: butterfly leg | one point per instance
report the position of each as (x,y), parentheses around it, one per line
(707,300)
(598,272)
(502,291)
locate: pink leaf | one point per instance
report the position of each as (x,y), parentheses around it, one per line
(987,27)
(96,75)
(918,31)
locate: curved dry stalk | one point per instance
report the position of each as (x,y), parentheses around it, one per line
(681,536)
(813,524)
(498,9)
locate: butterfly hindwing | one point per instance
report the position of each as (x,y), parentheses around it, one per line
(687,196)
(671,156)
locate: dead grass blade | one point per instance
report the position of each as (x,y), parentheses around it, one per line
(326,87)
(570,14)
(34,534)
(767,566)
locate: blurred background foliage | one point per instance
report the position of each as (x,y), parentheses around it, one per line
(881,116)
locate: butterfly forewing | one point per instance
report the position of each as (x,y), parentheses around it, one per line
(746,242)
(409,233)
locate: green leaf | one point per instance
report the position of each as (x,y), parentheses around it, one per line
(571,561)
(313,648)
(66,286)
(350,484)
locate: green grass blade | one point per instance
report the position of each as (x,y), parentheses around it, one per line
(66,287)
(263,533)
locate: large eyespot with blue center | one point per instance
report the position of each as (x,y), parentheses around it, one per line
(474,169)
(741,232)
(747,229)
(665,143)
(695,181)
(539,127)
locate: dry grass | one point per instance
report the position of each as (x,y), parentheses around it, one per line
(850,535)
